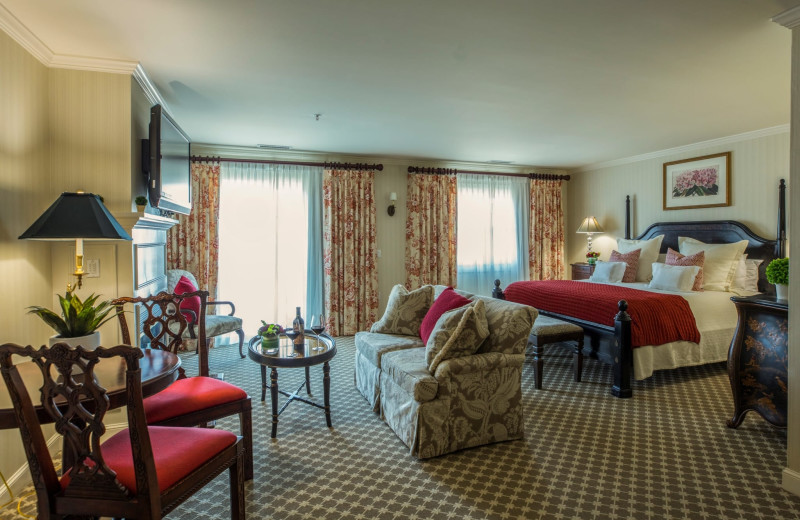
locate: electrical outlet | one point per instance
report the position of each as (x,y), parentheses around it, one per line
(92,267)
(379,253)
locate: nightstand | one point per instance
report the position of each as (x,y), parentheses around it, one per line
(582,271)
(757,359)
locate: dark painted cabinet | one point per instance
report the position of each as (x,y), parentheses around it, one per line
(582,271)
(757,359)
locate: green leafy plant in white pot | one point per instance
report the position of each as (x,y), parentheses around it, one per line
(778,274)
(79,320)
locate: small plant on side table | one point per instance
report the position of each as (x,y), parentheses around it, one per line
(778,274)
(270,334)
(141,202)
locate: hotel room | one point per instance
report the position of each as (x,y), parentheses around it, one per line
(605,93)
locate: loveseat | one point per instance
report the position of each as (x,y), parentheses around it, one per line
(460,389)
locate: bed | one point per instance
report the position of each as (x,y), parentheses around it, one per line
(715,315)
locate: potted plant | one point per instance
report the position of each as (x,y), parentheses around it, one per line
(79,320)
(778,274)
(141,203)
(591,257)
(270,334)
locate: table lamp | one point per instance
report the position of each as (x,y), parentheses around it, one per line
(589,226)
(76,216)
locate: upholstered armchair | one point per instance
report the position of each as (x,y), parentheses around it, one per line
(216,324)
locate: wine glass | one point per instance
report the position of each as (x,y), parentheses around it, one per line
(318,327)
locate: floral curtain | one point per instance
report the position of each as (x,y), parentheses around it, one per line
(546,232)
(431,230)
(349,250)
(193,244)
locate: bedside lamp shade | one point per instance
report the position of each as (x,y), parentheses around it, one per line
(76,216)
(589,226)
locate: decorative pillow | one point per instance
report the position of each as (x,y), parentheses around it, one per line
(650,249)
(746,275)
(631,261)
(608,272)
(673,277)
(721,261)
(458,333)
(404,311)
(447,301)
(192,303)
(698,259)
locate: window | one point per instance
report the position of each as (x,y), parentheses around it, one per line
(492,231)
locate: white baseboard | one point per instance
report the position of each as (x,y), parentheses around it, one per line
(791,481)
(22,477)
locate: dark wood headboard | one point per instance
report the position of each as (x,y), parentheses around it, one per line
(722,232)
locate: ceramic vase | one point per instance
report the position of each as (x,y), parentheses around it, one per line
(781,291)
(90,342)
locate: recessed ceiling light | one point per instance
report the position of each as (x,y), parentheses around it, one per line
(274,147)
(501,162)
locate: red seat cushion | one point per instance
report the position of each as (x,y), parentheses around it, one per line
(447,301)
(190,395)
(171,447)
(185,285)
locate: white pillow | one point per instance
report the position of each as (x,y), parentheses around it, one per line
(608,272)
(673,277)
(720,264)
(746,275)
(650,249)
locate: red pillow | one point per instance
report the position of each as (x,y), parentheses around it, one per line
(185,285)
(631,258)
(447,301)
(698,259)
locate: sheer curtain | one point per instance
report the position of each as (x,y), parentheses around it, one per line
(270,247)
(493,214)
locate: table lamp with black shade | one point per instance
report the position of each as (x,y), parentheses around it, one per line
(76,216)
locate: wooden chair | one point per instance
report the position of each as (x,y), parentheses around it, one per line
(189,401)
(141,472)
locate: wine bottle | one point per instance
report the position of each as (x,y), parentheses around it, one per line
(298,325)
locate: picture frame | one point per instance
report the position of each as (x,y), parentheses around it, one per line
(699,182)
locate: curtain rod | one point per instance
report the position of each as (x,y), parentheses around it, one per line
(453,171)
(329,165)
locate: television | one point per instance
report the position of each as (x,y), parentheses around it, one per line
(167,161)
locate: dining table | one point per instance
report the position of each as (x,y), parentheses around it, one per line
(159,370)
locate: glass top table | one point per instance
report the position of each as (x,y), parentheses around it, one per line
(314,351)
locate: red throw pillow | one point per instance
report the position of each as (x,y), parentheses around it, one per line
(631,258)
(185,285)
(698,259)
(447,301)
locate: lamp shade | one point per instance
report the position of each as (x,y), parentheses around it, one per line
(76,215)
(590,225)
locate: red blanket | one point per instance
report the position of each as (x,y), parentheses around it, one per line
(656,318)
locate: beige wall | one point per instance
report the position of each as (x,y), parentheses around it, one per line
(756,167)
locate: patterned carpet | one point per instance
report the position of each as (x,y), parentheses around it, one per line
(666,453)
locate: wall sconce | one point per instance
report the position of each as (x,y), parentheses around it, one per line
(76,216)
(392,199)
(589,226)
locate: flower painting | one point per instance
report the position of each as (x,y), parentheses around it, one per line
(701,182)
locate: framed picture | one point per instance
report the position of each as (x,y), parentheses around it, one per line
(701,182)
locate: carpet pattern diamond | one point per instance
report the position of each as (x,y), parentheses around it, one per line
(666,453)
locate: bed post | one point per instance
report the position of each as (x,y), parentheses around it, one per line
(627,216)
(780,247)
(497,292)
(623,355)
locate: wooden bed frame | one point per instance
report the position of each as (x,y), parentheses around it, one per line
(710,232)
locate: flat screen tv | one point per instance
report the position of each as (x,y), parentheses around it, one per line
(169,185)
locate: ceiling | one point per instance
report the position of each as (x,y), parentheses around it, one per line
(551,83)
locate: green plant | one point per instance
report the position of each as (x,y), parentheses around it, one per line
(778,271)
(141,200)
(78,318)
(269,330)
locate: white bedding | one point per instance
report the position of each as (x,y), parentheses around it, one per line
(715,316)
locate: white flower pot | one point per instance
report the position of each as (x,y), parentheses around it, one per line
(90,342)
(782,291)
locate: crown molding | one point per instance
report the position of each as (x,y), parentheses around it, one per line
(149,88)
(11,25)
(773,130)
(789,18)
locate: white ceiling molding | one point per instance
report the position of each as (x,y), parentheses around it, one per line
(150,90)
(789,18)
(774,130)
(31,43)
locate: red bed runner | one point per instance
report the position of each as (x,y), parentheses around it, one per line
(656,318)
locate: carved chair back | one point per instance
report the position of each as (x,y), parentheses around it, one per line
(77,404)
(165,324)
